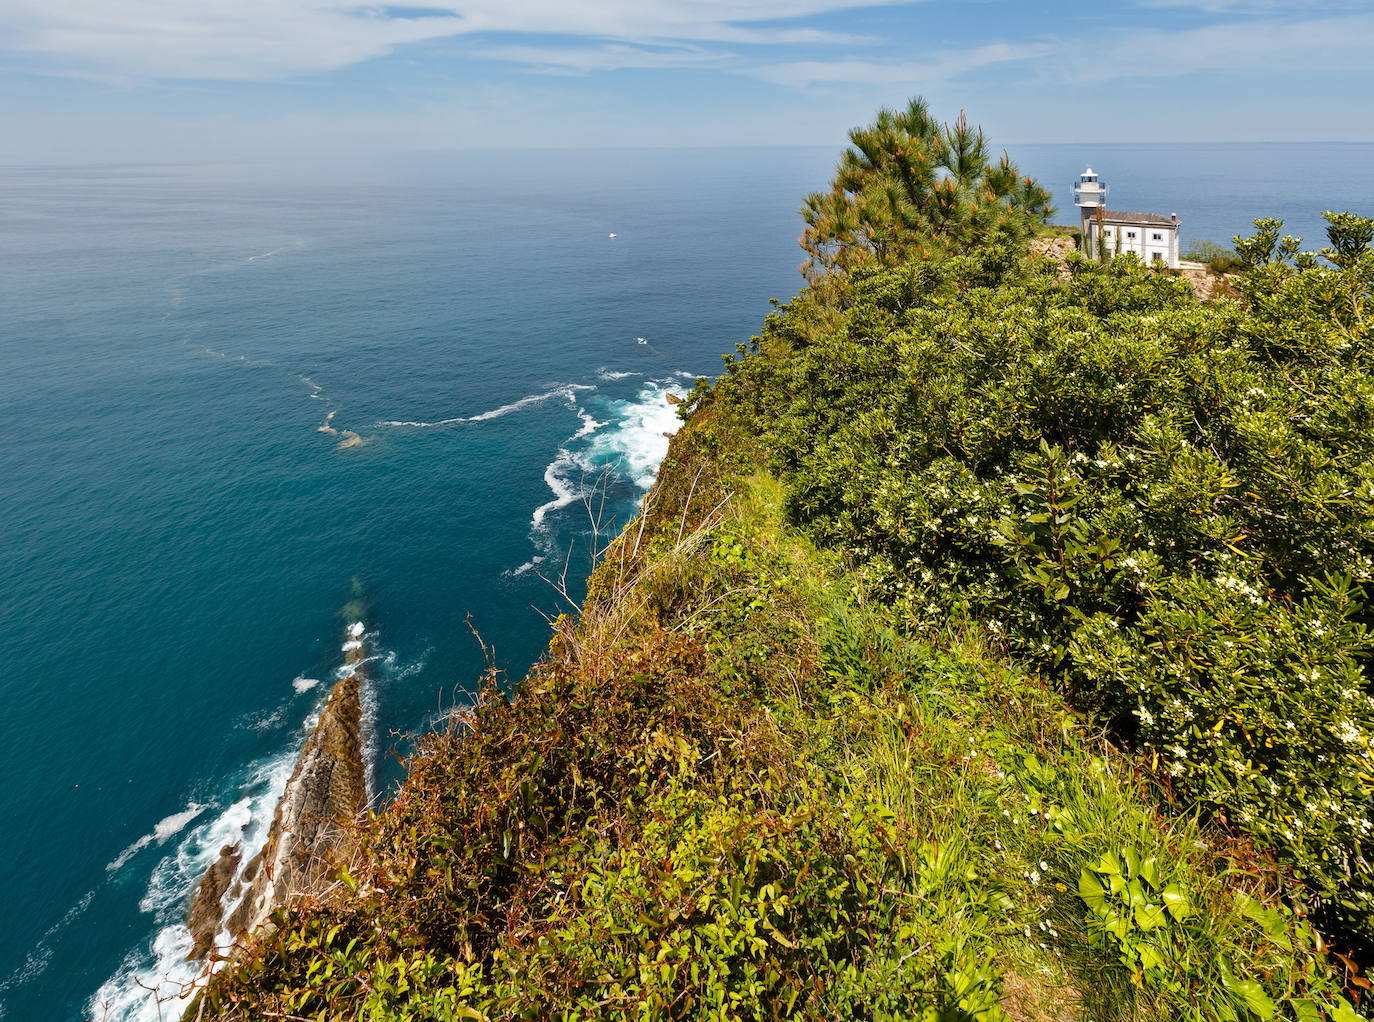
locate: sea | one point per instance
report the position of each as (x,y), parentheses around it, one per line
(236,398)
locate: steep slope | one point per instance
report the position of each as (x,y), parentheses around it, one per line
(735,790)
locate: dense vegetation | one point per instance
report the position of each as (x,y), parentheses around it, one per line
(991,647)
(735,791)
(1167,506)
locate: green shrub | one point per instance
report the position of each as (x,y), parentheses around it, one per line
(1217,258)
(1167,505)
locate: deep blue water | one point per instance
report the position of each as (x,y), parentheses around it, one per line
(177,537)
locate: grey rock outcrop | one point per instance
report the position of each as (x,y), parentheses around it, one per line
(311,834)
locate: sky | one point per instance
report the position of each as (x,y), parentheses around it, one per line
(185,79)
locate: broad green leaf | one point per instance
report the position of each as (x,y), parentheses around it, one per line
(1150,956)
(1305,1010)
(1176,902)
(1341,1011)
(1090,890)
(1131,862)
(1249,994)
(1149,871)
(1135,894)
(1150,916)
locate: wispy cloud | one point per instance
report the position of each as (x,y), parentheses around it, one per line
(264,39)
(1261,7)
(935,68)
(1266,45)
(607,57)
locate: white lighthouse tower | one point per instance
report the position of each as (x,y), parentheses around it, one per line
(1150,237)
(1089,195)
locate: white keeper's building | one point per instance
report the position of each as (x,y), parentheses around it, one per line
(1149,236)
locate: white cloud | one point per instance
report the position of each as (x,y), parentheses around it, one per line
(937,67)
(607,57)
(1275,46)
(264,39)
(1340,44)
(1260,7)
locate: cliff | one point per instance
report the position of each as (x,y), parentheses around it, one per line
(970,660)
(312,831)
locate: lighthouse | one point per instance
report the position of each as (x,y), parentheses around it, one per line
(1089,195)
(1149,236)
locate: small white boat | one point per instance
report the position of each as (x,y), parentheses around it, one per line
(641,340)
(612,235)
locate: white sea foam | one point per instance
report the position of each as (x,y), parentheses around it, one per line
(636,446)
(345,670)
(611,374)
(529,565)
(564,477)
(272,721)
(630,446)
(563,390)
(162,830)
(589,425)
(155,981)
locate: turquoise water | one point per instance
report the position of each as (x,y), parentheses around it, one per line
(178,536)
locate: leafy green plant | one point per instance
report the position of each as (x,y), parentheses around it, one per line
(1167,506)
(1217,258)
(1132,904)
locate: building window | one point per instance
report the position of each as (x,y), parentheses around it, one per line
(1130,234)
(1159,237)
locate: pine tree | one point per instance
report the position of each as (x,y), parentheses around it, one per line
(910,187)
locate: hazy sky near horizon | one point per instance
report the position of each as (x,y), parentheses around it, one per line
(185,79)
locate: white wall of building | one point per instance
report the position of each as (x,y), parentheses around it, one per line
(1148,242)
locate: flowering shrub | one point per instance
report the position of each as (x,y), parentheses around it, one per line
(1165,504)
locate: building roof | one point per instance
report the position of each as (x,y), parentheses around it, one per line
(1144,219)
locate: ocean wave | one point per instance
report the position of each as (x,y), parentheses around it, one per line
(349,438)
(589,425)
(558,476)
(563,390)
(643,425)
(528,566)
(611,374)
(155,981)
(629,446)
(162,830)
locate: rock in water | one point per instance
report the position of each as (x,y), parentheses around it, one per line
(311,834)
(206,914)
